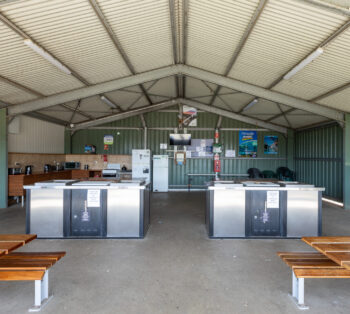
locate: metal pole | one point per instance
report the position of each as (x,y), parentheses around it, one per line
(145,138)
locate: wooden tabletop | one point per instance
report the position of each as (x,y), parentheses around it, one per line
(335,248)
(10,242)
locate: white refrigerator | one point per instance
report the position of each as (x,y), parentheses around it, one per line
(160,173)
(141,164)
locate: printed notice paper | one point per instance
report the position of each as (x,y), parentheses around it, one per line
(272,199)
(93,198)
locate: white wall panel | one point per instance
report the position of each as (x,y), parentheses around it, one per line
(36,136)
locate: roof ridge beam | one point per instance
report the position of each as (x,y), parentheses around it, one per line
(235,116)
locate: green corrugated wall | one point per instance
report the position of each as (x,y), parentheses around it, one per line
(319,158)
(126,140)
(3,159)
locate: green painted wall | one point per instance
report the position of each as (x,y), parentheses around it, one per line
(67,142)
(126,140)
(346,181)
(319,158)
(3,159)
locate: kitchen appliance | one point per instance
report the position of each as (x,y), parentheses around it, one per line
(160,173)
(86,167)
(13,171)
(28,170)
(112,171)
(180,139)
(71,165)
(141,164)
(47,168)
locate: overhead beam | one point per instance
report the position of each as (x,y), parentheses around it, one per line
(116,43)
(93,90)
(125,114)
(243,40)
(46,118)
(232,115)
(173,70)
(327,7)
(262,92)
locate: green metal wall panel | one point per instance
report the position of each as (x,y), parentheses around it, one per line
(3,159)
(319,158)
(67,142)
(126,140)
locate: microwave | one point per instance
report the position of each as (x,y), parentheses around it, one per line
(71,165)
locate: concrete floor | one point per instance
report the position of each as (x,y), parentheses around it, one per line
(175,269)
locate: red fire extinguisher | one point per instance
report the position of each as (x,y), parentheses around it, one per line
(217,165)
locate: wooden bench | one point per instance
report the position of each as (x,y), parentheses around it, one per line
(30,266)
(310,265)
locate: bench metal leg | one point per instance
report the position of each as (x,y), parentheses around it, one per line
(298,292)
(41,297)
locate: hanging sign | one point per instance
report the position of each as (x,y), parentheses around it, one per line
(189,116)
(271,144)
(108,140)
(248,143)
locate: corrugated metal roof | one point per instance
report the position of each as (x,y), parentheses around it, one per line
(13,95)
(71,31)
(215,28)
(143,29)
(285,33)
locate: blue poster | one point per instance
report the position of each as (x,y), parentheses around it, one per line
(271,144)
(248,143)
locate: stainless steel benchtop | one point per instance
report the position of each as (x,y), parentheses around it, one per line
(261,186)
(96,185)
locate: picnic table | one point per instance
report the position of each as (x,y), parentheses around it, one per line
(11,242)
(336,249)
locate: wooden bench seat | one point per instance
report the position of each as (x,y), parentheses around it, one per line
(310,265)
(33,266)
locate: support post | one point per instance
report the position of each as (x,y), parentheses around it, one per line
(145,138)
(67,142)
(346,185)
(290,149)
(3,159)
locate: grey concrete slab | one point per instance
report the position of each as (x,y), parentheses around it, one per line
(175,269)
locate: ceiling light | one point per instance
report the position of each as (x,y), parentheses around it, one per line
(251,104)
(46,56)
(303,63)
(108,102)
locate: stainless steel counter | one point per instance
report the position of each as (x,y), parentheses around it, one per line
(98,209)
(244,209)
